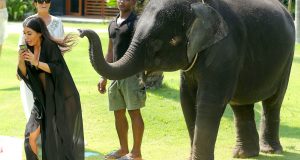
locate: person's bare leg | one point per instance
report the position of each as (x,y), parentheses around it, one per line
(121,124)
(138,131)
(33,140)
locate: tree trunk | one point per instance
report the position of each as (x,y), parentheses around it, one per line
(152,80)
(297,21)
(290,6)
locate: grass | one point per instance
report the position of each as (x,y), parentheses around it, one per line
(165,136)
(87,25)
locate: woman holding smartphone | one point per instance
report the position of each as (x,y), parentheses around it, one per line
(56,113)
(56,30)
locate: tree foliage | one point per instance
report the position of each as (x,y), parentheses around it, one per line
(140,4)
(18,9)
(111,3)
(290,5)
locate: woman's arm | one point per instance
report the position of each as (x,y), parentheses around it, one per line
(21,64)
(43,66)
(55,60)
(30,57)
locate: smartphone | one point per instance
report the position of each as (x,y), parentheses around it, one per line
(23,47)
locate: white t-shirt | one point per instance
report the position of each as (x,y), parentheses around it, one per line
(55,28)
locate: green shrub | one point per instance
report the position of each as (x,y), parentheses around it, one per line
(290,5)
(19,9)
(111,3)
(139,3)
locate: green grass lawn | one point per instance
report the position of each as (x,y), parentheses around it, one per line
(87,25)
(165,136)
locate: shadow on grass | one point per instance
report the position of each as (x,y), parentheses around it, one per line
(290,155)
(93,155)
(290,132)
(166,92)
(285,131)
(10,89)
(173,94)
(284,156)
(296,59)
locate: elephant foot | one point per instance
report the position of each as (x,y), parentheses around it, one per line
(274,148)
(202,157)
(239,152)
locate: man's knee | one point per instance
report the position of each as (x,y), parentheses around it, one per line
(135,114)
(120,113)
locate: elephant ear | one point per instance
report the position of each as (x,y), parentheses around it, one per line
(208,28)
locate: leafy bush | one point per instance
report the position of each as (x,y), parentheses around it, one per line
(111,3)
(18,9)
(290,5)
(139,6)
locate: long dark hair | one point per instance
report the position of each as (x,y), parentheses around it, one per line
(38,25)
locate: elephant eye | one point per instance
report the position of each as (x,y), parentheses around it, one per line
(175,40)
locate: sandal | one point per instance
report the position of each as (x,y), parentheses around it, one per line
(112,155)
(128,157)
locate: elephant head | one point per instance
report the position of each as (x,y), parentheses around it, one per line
(167,36)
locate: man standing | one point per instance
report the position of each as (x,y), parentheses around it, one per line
(3,22)
(126,94)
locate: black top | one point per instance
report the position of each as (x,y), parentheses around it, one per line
(121,35)
(58,103)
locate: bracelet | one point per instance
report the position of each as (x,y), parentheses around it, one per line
(37,66)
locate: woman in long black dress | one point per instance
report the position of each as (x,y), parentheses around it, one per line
(56,114)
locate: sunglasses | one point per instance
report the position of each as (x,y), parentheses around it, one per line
(123,0)
(42,1)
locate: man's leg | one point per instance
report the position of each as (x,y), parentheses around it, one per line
(121,124)
(138,131)
(134,94)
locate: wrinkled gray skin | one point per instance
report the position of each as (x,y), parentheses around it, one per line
(245,51)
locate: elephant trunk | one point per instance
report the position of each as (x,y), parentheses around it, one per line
(131,63)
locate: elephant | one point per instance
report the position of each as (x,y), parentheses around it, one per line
(232,52)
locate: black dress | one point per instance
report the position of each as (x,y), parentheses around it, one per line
(56,108)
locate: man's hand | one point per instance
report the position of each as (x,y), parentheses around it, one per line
(102,85)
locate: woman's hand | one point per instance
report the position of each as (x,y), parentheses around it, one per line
(21,56)
(30,57)
(21,64)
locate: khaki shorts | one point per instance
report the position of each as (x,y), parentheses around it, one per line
(128,93)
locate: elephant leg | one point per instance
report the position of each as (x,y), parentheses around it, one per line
(270,117)
(269,127)
(247,141)
(206,129)
(188,96)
